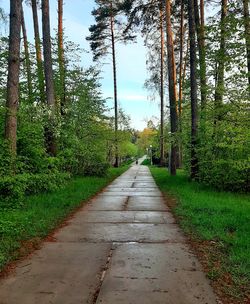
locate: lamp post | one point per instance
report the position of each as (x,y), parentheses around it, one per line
(151,155)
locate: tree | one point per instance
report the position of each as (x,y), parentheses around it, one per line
(50,95)
(220,73)
(27,57)
(193,91)
(115,82)
(200,30)
(182,34)
(247,36)
(182,68)
(13,75)
(40,73)
(103,38)
(61,60)
(172,90)
(162,87)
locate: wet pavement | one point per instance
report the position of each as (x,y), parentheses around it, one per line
(122,247)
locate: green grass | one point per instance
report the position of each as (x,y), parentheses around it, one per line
(221,219)
(42,213)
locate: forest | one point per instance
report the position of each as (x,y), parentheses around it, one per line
(56,126)
(54,120)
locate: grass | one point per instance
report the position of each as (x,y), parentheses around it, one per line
(42,213)
(220,221)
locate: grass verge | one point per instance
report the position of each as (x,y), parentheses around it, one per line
(21,230)
(219,226)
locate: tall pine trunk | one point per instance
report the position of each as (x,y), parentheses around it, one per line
(13,75)
(247,36)
(182,33)
(61,57)
(162,87)
(220,83)
(116,164)
(50,95)
(200,30)
(27,57)
(172,91)
(194,88)
(181,74)
(40,73)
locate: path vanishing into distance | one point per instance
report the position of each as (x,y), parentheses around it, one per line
(123,247)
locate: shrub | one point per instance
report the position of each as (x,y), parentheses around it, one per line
(227,174)
(14,188)
(96,169)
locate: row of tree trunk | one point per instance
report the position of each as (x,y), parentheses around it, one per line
(44,69)
(196,38)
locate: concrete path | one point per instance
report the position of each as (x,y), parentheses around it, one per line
(123,247)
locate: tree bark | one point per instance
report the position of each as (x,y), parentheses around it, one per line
(219,89)
(61,57)
(181,74)
(200,29)
(50,95)
(38,52)
(13,75)
(247,36)
(116,164)
(162,87)
(27,57)
(182,33)
(172,90)
(193,95)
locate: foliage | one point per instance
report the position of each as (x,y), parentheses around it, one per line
(13,189)
(100,33)
(82,133)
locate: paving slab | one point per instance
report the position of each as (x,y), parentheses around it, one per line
(107,203)
(131,193)
(145,184)
(146,204)
(123,232)
(155,273)
(58,273)
(119,184)
(155,217)
(135,189)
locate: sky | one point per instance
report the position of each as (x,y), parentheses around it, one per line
(131,60)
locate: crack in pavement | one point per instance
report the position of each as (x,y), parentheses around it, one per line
(125,205)
(102,276)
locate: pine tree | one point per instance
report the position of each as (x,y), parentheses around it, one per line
(193,91)
(27,57)
(172,90)
(61,60)
(247,36)
(102,39)
(40,72)
(50,95)
(13,75)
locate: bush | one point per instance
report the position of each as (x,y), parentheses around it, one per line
(227,174)
(96,169)
(14,188)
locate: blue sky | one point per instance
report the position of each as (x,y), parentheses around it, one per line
(131,58)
